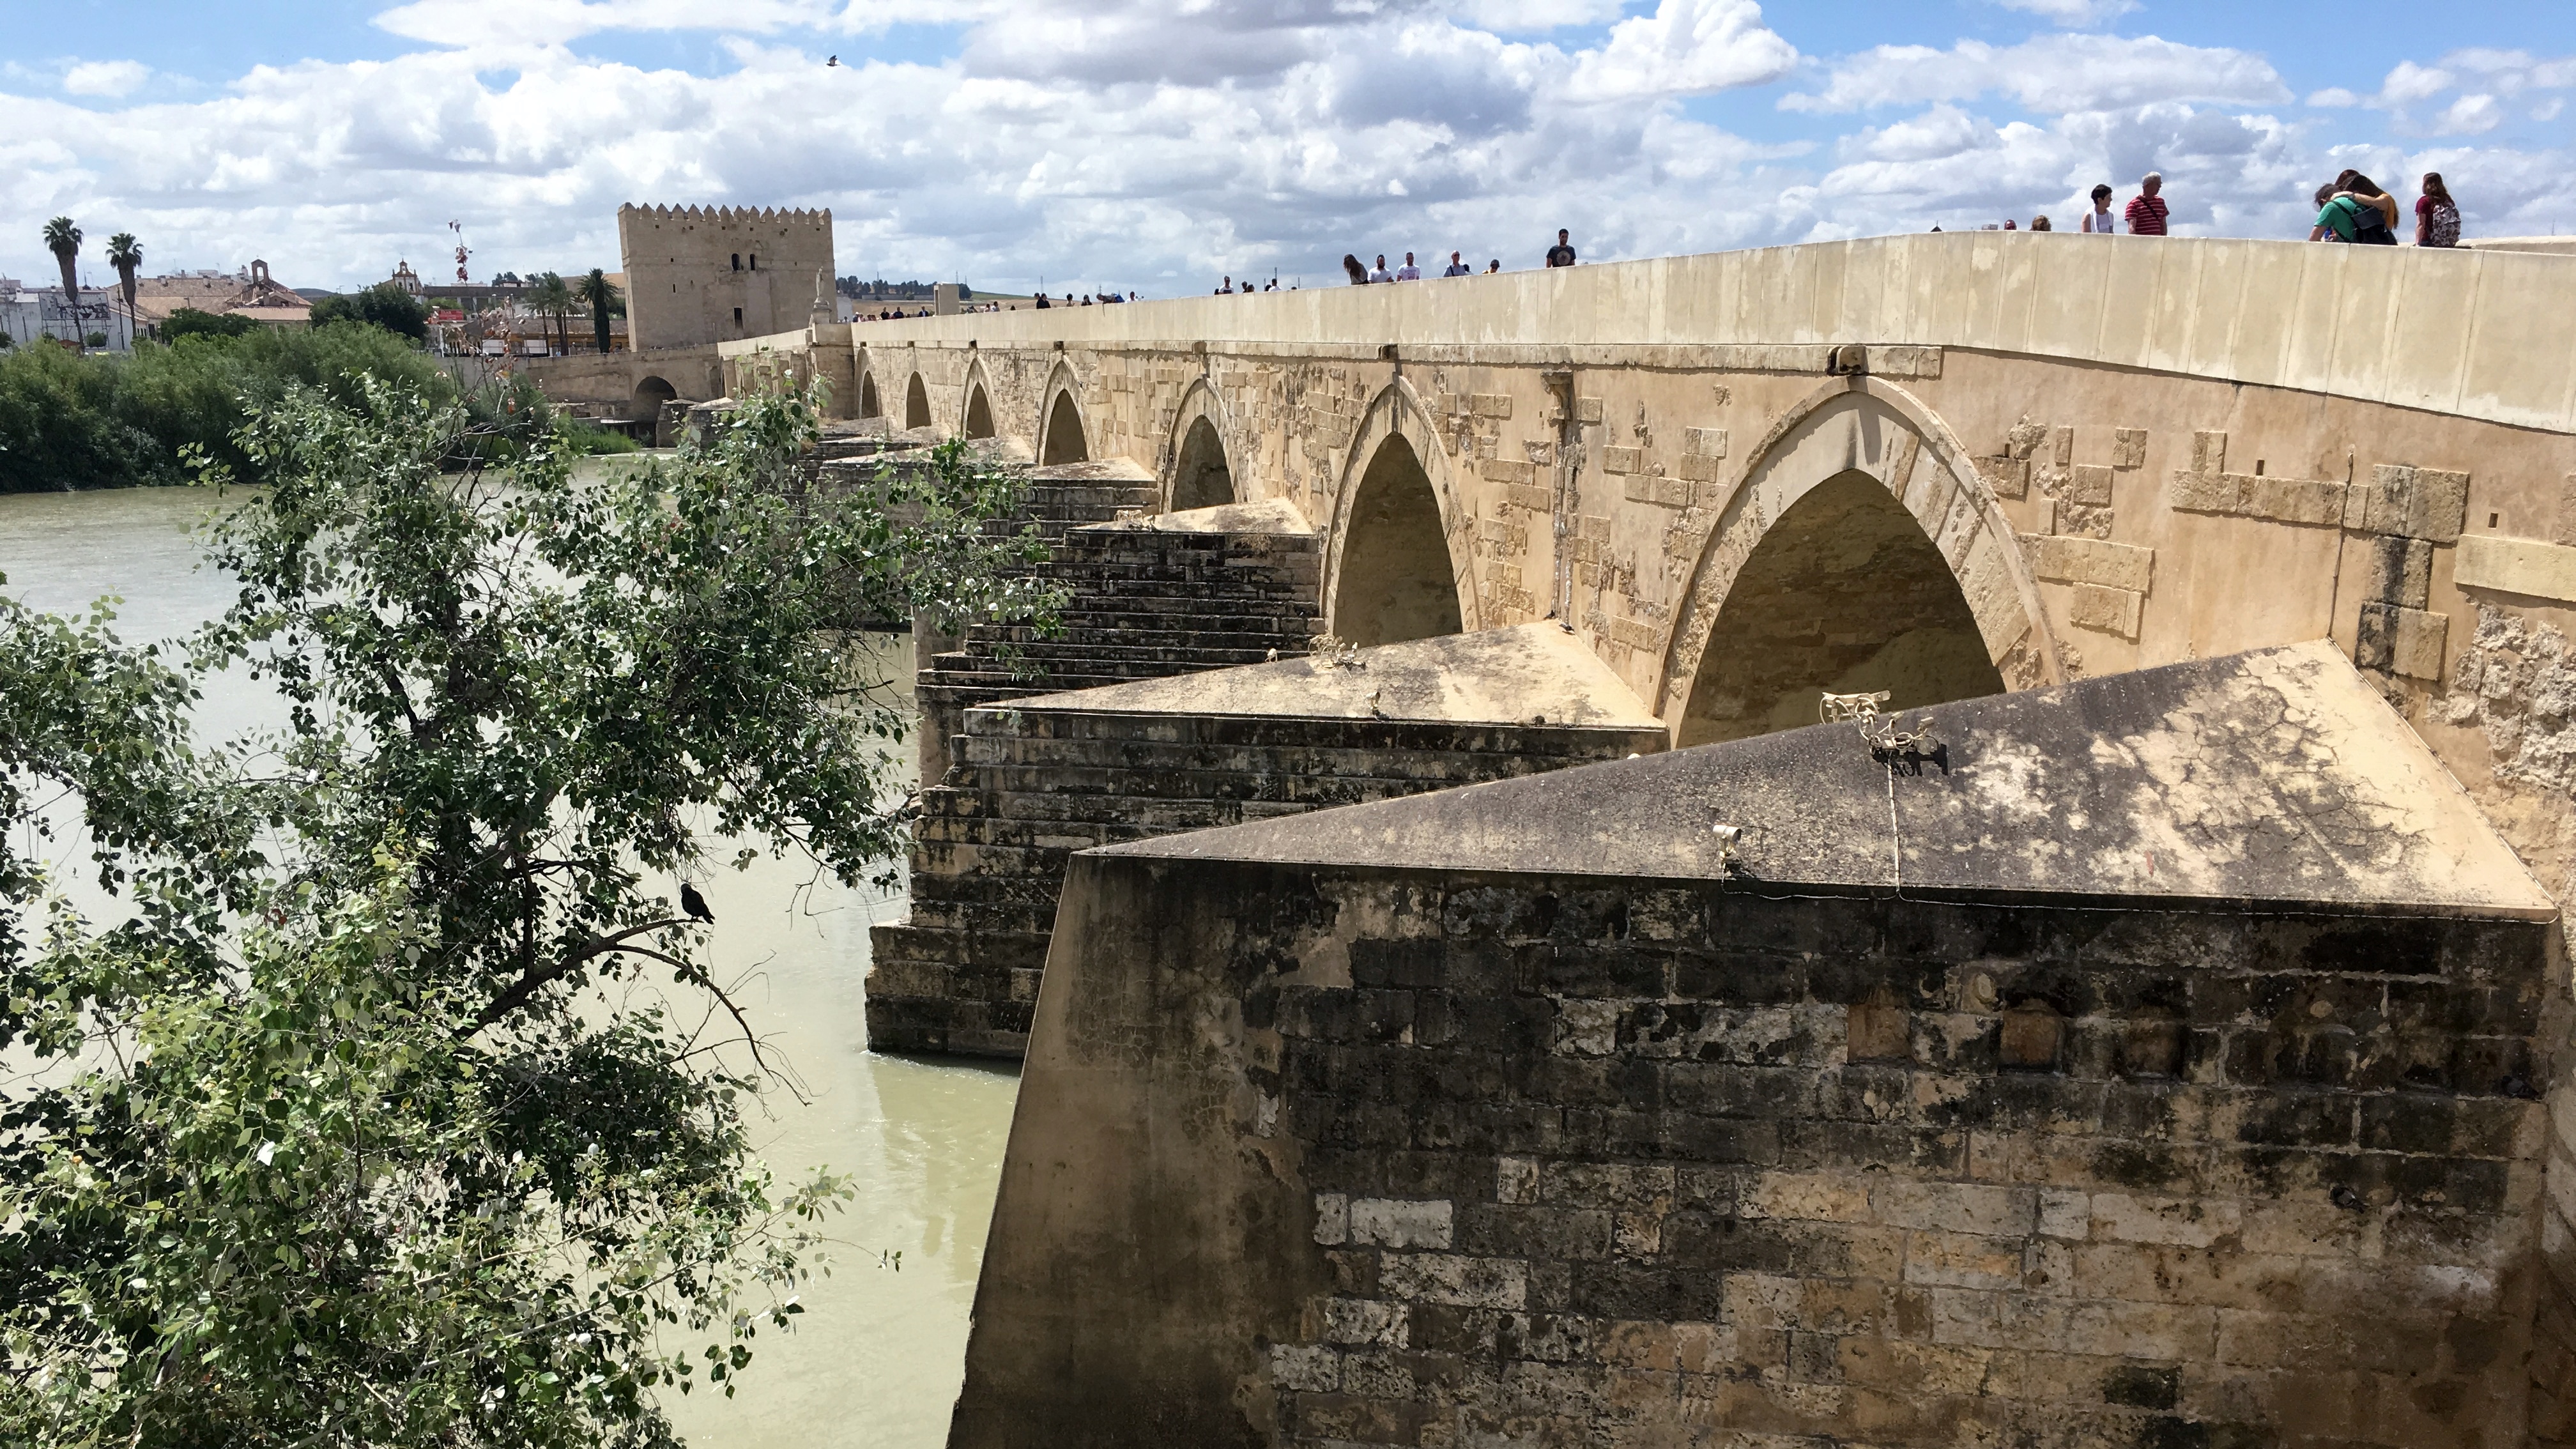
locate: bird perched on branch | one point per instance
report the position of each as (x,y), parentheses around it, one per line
(695,904)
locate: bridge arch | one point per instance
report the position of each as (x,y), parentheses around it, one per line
(870,405)
(1857,550)
(650,393)
(1062,434)
(1399,567)
(916,403)
(976,412)
(1202,475)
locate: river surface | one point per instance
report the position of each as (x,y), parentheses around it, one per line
(876,1360)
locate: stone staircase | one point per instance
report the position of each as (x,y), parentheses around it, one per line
(1148,598)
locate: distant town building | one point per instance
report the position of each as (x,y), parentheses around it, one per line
(697,275)
(249,292)
(98,321)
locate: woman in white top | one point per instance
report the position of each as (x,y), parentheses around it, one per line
(2099,221)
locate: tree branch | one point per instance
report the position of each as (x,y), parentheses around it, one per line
(534,979)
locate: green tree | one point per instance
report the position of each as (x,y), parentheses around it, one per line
(63,239)
(384,305)
(195,322)
(126,255)
(600,297)
(387,1119)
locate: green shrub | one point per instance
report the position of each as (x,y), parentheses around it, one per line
(589,438)
(68,421)
(384,305)
(190,322)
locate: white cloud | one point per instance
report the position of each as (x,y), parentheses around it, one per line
(1531,15)
(2412,82)
(109,78)
(2050,75)
(1150,143)
(1686,47)
(2469,116)
(2083,13)
(2334,97)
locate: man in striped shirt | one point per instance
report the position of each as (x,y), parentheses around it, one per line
(2147,208)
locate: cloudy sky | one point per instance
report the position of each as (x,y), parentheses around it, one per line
(1157,144)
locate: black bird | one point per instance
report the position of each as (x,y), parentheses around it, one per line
(695,904)
(835,60)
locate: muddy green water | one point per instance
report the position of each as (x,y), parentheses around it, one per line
(877,1359)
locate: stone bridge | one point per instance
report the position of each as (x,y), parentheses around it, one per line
(2187,1088)
(1929,463)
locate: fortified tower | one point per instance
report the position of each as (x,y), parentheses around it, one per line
(696,275)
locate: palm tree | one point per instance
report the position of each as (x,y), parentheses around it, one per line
(126,255)
(63,239)
(550,297)
(602,298)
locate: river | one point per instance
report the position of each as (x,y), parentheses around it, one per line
(877,1357)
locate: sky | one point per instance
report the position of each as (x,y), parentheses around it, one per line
(1154,146)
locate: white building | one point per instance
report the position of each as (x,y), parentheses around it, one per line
(27,313)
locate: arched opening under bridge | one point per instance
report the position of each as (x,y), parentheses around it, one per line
(1395,582)
(646,407)
(1200,479)
(916,404)
(979,413)
(869,406)
(1843,593)
(1064,441)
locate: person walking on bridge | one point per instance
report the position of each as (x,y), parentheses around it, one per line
(1561,254)
(1379,273)
(2147,208)
(2099,221)
(1458,268)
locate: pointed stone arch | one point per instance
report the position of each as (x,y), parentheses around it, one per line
(1063,434)
(1200,455)
(916,403)
(975,407)
(1387,549)
(1854,501)
(870,404)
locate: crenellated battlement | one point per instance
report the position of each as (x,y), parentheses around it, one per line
(728,215)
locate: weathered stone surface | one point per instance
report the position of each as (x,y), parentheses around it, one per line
(2129,448)
(1038,778)
(2089,484)
(2092,561)
(2113,611)
(2517,566)
(1678,1202)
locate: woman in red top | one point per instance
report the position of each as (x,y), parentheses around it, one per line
(2147,208)
(2437,217)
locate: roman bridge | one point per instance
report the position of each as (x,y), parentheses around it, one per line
(1934,464)
(2180,1056)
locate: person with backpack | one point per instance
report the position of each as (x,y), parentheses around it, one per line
(2379,219)
(2437,217)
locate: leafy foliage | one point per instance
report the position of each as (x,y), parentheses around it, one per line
(196,322)
(69,421)
(401,1111)
(384,305)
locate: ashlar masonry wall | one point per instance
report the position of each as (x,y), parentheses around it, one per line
(1561,1161)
